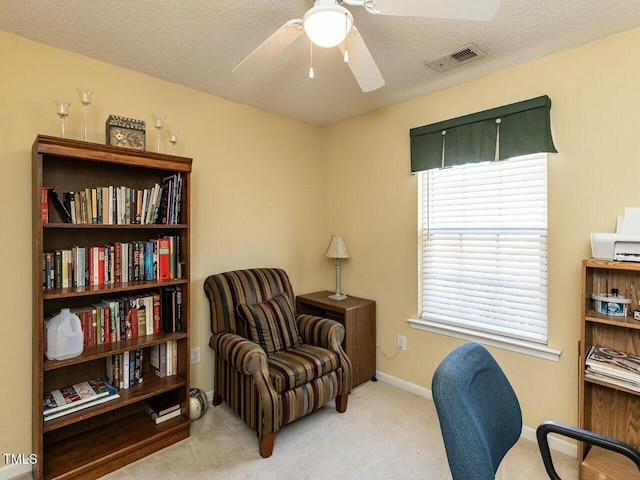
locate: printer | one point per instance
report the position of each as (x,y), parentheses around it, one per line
(624,245)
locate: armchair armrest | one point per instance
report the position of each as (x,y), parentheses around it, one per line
(581,435)
(321,332)
(250,360)
(244,355)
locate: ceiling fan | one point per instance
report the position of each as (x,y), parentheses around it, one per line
(328,24)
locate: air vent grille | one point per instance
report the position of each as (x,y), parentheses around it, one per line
(450,60)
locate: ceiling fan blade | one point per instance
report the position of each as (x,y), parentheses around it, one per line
(451,9)
(271,47)
(361,63)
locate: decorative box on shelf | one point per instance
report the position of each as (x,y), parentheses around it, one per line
(125,132)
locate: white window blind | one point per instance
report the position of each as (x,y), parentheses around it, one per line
(483,230)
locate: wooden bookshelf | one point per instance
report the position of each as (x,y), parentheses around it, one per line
(91,442)
(605,408)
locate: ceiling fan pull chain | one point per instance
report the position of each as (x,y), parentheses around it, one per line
(346,38)
(311,74)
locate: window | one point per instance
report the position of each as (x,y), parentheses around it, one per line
(483,251)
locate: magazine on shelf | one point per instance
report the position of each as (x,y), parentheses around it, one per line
(613,364)
(74,408)
(76,397)
(635,386)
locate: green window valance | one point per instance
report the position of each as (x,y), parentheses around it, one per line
(517,129)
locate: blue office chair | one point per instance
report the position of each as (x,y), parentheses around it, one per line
(480,417)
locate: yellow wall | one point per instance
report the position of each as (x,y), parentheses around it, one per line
(257,197)
(594,116)
(273,197)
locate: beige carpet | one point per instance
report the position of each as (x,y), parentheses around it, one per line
(386,433)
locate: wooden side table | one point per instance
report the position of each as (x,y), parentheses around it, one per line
(358,315)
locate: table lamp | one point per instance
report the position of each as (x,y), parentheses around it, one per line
(337,249)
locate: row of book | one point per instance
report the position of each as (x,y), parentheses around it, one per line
(122,262)
(126,318)
(113,205)
(613,366)
(63,401)
(163,358)
(125,370)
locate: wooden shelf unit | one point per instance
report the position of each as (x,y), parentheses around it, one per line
(605,408)
(94,441)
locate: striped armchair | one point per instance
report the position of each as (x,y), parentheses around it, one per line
(272,366)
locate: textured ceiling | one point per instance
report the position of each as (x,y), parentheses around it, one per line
(197,43)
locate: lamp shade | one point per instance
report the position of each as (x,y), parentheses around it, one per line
(337,248)
(327,24)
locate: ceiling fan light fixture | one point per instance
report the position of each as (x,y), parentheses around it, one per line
(327,25)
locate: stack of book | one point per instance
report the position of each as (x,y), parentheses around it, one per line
(612,366)
(79,396)
(162,408)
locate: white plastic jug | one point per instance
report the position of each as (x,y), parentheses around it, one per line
(64,336)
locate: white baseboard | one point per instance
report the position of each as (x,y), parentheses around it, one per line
(9,472)
(528,433)
(404,385)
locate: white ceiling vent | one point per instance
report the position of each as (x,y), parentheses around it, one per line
(450,60)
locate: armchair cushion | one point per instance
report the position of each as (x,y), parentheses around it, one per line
(271,324)
(291,368)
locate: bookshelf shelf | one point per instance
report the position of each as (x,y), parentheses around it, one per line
(104,350)
(611,386)
(105,226)
(93,441)
(143,391)
(620,322)
(102,449)
(604,407)
(108,289)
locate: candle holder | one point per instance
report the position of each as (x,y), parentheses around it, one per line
(62,109)
(85,100)
(173,139)
(158,120)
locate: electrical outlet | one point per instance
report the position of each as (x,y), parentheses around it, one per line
(195,355)
(402,342)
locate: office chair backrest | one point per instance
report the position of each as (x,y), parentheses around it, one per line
(479,413)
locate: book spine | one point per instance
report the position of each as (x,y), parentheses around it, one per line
(100,266)
(164,259)
(58,269)
(163,360)
(148,261)
(178,308)
(94,205)
(136,260)
(99,210)
(122,319)
(138,367)
(44,204)
(169,358)
(117,267)
(125,369)
(64,269)
(132,367)
(156,313)
(174,357)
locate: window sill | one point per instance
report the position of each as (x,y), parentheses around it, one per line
(514,345)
